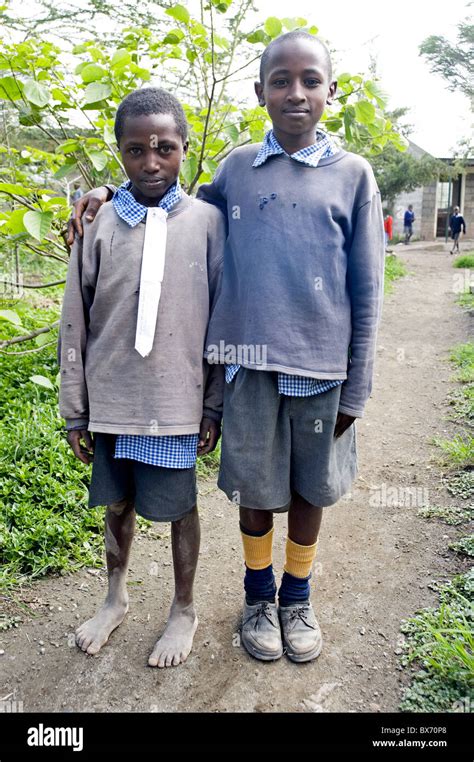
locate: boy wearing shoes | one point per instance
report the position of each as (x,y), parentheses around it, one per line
(295,323)
(140,286)
(302,283)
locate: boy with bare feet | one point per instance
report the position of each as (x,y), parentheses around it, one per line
(300,304)
(140,287)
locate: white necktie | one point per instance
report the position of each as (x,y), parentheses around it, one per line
(151,277)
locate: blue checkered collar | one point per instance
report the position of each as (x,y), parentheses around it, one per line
(128,208)
(322,148)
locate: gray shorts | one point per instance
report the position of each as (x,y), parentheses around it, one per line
(273,444)
(159,494)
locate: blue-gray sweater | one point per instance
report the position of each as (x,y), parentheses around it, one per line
(303,267)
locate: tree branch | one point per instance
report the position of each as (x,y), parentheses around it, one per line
(27,337)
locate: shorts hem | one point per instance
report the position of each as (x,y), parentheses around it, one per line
(164,519)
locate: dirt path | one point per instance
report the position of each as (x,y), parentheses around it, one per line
(376,561)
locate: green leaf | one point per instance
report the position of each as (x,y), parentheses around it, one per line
(232,132)
(69,146)
(11,317)
(41,340)
(178,12)
(174,36)
(209,166)
(189,168)
(59,95)
(108,133)
(92,72)
(36,93)
(14,224)
(99,159)
(273,26)
(120,58)
(96,91)
(257,36)
(364,111)
(66,168)
(343,78)
(38,223)
(42,381)
(10,88)
(372,90)
(55,201)
(18,190)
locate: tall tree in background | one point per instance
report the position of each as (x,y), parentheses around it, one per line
(454,62)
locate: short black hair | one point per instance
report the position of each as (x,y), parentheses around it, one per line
(150,100)
(296,34)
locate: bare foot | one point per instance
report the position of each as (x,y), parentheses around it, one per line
(176,642)
(92,635)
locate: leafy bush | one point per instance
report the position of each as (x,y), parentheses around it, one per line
(441,641)
(394,268)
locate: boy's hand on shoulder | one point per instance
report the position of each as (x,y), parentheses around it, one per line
(209,434)
(343,421)
(85,454)
(90,203)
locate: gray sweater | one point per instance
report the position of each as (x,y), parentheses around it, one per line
(303,269)
(105,384)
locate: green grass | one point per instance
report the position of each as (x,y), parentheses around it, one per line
(45,523)
(463,357)
(465,261)
(459,450)
(466,301)
(449,514)
(465,545)
(394,269)
(461,484)
(440,643)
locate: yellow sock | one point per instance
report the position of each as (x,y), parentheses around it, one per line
(299,558)
(258,550)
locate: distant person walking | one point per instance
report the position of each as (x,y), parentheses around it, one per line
(408,221)
(388,227)
(456,224)
(78,193)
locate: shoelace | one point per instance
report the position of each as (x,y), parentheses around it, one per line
(261,612)
(299,612)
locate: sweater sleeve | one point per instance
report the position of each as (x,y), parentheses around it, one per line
(78,298)
(214,374)
(365,282)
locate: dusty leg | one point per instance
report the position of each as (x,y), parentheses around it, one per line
(304,520)
(119,529)
(176,642)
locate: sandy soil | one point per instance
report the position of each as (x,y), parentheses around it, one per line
(377,560)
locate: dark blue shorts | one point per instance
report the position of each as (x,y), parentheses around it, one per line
(159,494)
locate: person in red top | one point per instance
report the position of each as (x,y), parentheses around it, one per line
(388,227)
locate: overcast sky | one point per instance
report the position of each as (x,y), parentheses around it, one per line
(393,32)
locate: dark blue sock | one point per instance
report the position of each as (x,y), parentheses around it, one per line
(259,585)
(293,589)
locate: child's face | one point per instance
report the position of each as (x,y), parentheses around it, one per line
(152,151)
(296,88)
